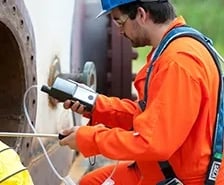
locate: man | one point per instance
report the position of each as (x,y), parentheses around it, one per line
(178,121)
(12,171)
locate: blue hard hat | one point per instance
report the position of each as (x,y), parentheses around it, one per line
(108,5)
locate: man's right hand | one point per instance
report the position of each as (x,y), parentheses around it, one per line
(75,106)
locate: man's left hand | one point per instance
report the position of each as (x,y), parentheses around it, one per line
(70,138)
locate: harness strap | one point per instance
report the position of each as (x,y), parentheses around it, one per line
(167,169)
(217,148)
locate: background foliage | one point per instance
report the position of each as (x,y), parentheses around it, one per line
(205,15)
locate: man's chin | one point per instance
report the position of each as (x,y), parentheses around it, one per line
(137,45)
(134,45)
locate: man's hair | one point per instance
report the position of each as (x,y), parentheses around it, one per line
(160,12)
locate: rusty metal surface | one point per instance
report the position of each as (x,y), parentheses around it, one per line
(40,170)
(17,72)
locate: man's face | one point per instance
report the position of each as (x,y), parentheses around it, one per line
(131,29)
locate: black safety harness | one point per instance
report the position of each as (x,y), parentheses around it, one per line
(217,148)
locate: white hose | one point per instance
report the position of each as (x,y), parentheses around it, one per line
(67,180)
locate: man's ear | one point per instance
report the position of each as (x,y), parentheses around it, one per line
(142,15)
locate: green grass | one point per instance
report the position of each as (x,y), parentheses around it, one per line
(142,54)
(207,16)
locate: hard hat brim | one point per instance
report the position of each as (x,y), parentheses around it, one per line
(104,12)
(107,10)
(112,6)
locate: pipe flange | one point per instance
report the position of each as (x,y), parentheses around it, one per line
(54,71)
(89,75)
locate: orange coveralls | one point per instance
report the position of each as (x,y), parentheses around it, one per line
(177,124)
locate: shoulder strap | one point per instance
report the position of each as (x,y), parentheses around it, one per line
(217,149)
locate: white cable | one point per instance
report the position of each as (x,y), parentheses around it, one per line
(115,167)
(67,180)
(109,180)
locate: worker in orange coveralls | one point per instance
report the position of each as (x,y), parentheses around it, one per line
(177,124)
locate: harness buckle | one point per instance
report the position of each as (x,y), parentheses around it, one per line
(171,181)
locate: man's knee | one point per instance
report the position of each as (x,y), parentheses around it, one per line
(87,180)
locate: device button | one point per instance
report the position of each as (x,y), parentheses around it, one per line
(90,97)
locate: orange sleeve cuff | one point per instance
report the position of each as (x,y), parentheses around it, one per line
(85,141)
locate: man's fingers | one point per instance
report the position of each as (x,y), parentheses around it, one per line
(67,104)
(65,137)
(63,141)
(69,140)
(66,132)
(77,107)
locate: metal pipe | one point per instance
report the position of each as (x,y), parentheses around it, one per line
(19,134)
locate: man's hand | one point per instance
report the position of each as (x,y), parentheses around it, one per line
(75,106)
(70,139)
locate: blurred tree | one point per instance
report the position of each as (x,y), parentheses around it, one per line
(207,16)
